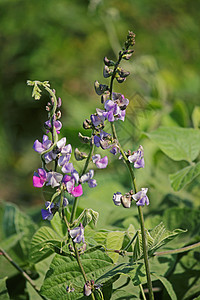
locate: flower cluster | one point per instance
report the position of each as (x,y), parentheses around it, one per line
(140,198)
(57,153)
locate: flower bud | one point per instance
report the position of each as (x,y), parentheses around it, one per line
(100,88)
(127,54)
(79,155)
(107,72)
(120,79)
(59,102)
(87,124)
(58,114)
(122,73)
(105,96)
(87,290)
(126,200)
(84,139)
(108,62)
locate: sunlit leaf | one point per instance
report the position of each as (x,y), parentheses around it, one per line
(167,285)
(181,178)
(177,143)
(65,271)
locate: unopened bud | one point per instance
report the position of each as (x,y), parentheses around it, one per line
(79,155)
(84,139)
(58,114)
(100,88)
(127,54)
(122,73)
(120,79)
(126,200)
(59,102)
(105,97)
(107,72)
(108,62)
(87,288)
(87,124)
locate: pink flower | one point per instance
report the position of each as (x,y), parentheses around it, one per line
(39,178)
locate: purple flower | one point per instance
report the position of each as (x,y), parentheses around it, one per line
(75,191)
(102,140)
(47,214)
(41,147)
(77,234)
(117,198)
(114,150)
(39,178)
(141,197)
(67,168)
(57,124)
(88,178)
(100,163)
(54,179)
(121,101)
(137,158)
(96,120)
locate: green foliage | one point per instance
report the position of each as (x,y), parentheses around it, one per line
(65,271)
(19,229)
(167,285)
(177,143)
(3,289)
(156,238)
(184,176)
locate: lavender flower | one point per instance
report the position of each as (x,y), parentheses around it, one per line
(77,234)
(57,124)
(48,213)
(141,197)
(88,178)
(39,178)
(117,198)
(100,163)
(137,158)
(54,179)
(41,147)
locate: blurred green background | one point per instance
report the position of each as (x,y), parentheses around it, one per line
(65,42)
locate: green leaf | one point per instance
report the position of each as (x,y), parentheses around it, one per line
(196,117)
(42,242)
(3,289)
(59,225)
(11,241)
(181,178)
(114,241)
(177,143)
(16,222)
(167,286)
(156,238)
(65,271)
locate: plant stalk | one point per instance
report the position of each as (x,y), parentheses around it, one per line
(24,274)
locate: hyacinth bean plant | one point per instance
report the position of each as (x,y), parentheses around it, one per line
(82,266)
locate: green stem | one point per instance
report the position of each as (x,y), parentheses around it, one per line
(141,218)
(142,292)
(24,274)
(75,204)
(176,251)
(81,266)
(145,253)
